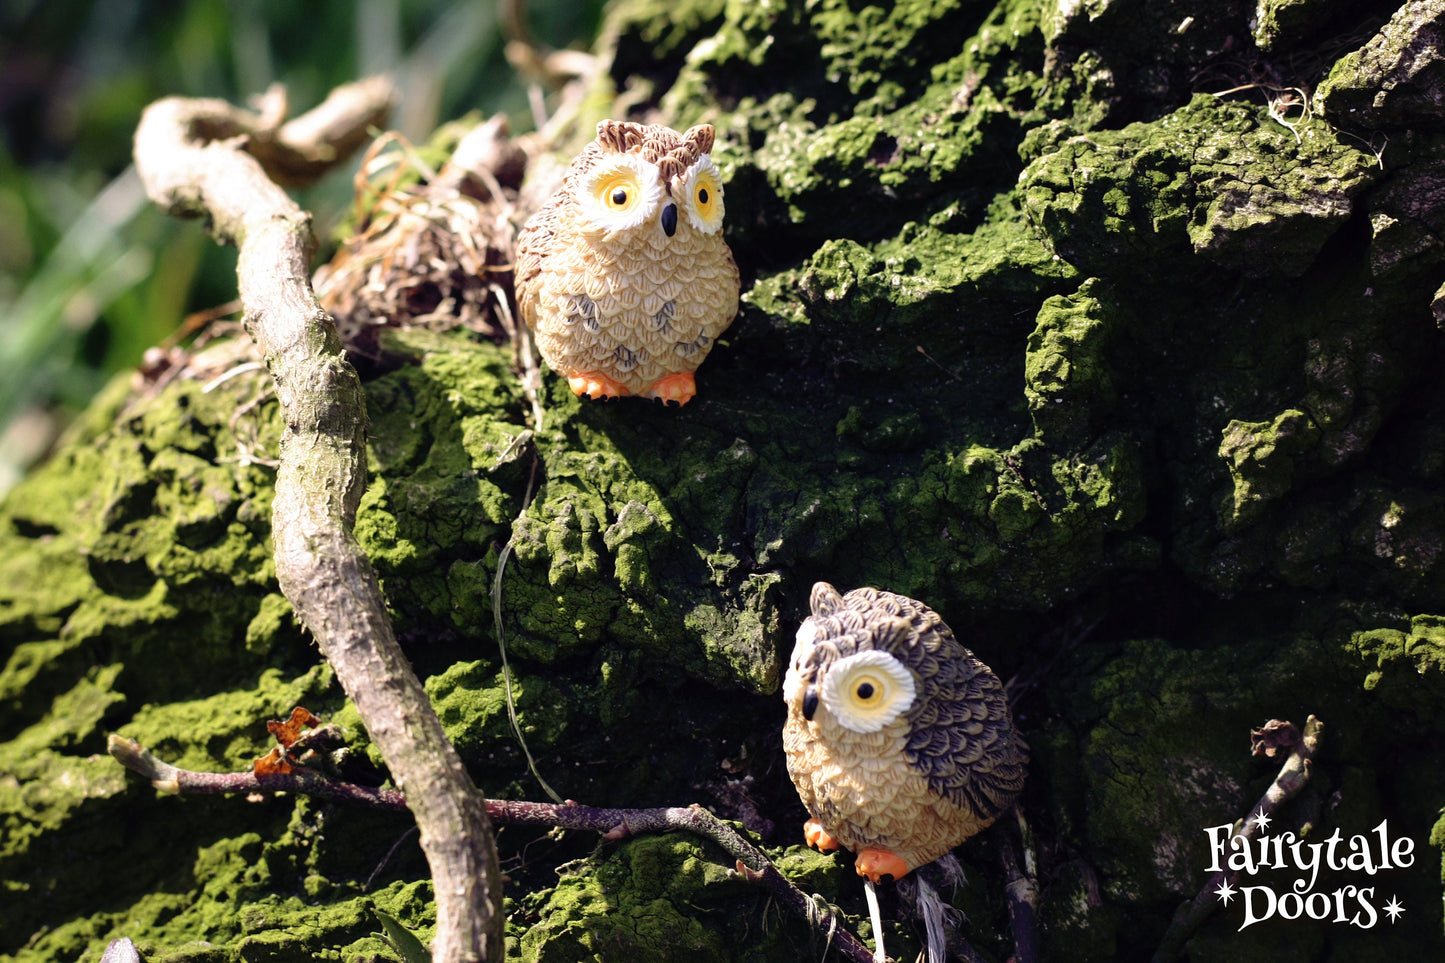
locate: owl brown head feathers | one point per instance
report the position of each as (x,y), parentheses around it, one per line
(623,275)
(672,153)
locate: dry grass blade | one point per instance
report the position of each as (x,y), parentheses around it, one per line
(432,249)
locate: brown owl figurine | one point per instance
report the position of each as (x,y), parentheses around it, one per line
(624,275)
(899,740)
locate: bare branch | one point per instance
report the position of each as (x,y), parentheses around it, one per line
(190,156)
(611,823)
(303,149)
(292,153)
(1293,776)
(1022,891)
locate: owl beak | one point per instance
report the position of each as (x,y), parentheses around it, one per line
(810,702)
(669,219)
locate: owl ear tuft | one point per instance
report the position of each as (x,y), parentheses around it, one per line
(824,600)
(700,138)
(618,135)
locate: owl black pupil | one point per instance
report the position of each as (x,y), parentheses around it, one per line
(619,196)
(702,196)
(865,690)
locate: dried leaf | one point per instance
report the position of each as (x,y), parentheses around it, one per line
(273,763)
(289,731)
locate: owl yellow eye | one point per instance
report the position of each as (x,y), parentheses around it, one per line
(867,691)
(618,192)
(705,197)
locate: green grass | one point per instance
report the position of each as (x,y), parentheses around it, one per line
(91,274)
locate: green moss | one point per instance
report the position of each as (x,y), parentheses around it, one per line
(149,526)
(654,32)
(30,675)
(1222,179)
(1282,24)
(1437,839)
(1405,664)
(471,701)
(656,896)
(1261,457)
(1067,379)
(863,167)
(1154,771)
(1394,80)
(274,622)
(586,917)
(221,903)
(47,772)
(446,440)
(61,793)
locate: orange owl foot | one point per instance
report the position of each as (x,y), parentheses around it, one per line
(818,837)
(594,384)
(678,388)
(874,864)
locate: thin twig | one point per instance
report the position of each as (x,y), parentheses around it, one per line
(613,824)
(1022,891)
(502,641)
(875,919)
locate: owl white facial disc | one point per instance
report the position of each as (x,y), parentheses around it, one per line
(703,196)
(620,194)
(867,691)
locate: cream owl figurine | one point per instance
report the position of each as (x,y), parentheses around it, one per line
(899,740)
(624,275)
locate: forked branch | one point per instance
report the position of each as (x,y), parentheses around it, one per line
(206,158)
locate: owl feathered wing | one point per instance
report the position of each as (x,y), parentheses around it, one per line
(533,244)
(962,738)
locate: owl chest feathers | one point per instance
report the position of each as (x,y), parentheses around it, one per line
(866,793)
(638,306)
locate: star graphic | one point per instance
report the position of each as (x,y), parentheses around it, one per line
(1394,908)
(1226,892)
(1261,820)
